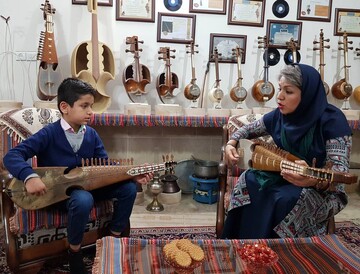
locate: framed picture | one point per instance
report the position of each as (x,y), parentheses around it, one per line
(347,20)
(99,2)
(226,45)
(208,6)
(319,10)
(176,28)
(129,10)
(280,32)
(248,13)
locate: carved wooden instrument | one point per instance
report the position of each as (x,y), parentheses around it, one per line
(322,64)
(357,89)
(343,89)
(238,93)
(167,81)
(292,55)
(88,178)
(271,158)
(93,62)
(136,76)
(216,94)
(49,76)
(263,90)
(192,90)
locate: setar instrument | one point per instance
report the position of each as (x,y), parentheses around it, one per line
(238,93)
(322,64)
(136,76)
(357,89)
(263,90)
(93,174)
(192,91)
(216,94)
(292,55)
(49,76)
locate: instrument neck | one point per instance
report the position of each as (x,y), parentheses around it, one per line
(239,69)
(49,26)
(193,78)
(266,66)
(217,72)
(95,47)
(168,73)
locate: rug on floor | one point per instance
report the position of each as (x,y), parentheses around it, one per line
(348,232)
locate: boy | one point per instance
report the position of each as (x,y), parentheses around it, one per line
(65,143)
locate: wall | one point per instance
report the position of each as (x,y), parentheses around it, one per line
(73,26)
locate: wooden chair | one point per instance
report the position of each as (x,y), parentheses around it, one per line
(228,176)
(34,236)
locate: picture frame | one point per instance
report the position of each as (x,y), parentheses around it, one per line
(224,44)
(209,6)
(280,32)
(319,10)
(247,13)
(176,28)
(108,3)
(347,20)
(127,10)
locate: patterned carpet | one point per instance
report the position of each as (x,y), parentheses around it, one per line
(348,232)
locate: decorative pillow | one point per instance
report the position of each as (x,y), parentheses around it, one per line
(27,121)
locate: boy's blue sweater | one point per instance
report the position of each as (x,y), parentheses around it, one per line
(52,149)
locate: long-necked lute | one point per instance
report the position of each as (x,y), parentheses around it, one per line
(86,177)
(270,158)
(322,64)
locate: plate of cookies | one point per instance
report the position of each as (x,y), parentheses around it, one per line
(183,255)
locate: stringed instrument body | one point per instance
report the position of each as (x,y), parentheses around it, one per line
(238,93)
(59,183)
(167,81)
(263,90)
(342,89)
(270,158)
(292,55)
(322,64)
(216,94)
(93,62)
(49,76)
(136,75)
(357,89)
(192,91)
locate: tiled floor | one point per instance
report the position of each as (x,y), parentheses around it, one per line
(191,213)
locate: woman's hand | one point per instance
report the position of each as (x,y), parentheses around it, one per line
(231,154)
(144,178)
(298,179)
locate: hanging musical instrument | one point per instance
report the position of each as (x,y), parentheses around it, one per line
(238,93)
(87,177)
(263,90)
(270,158)
(192,90)
(49,76)
(216,94)
(136,76)
(93,62)
(322,64)
(342,89)
(357,89)
(167,81)
(292,55)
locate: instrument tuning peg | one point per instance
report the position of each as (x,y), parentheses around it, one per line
(327,40)
(327,46)
(315,42)
(172,56)
(141,41)
(196,51)
(140,50)
(173,50)
(340,48)
(350,48)
(350,42)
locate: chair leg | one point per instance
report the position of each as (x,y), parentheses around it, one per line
(331,226)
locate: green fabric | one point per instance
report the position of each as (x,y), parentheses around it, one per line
(267,178)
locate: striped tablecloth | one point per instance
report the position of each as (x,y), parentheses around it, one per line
(325,254)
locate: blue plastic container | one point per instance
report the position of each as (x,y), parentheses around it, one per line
(205,190)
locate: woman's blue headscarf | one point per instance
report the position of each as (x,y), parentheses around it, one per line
(314,111)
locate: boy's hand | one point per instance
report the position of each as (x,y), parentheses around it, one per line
(35,186)
(144,178)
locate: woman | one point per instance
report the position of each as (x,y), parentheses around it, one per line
(272,205)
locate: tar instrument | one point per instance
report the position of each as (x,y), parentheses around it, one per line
(357,89)
(192,91)
(167,81)
(87,177)
(322,64)
(292,55)
(343,89)
(271,158)
(49,76)
(238,93)
(136,76)
(263,90)
(216,94)
(93,62)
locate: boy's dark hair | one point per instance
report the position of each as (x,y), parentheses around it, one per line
(71,89)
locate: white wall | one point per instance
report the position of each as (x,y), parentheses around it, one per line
(73,26)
